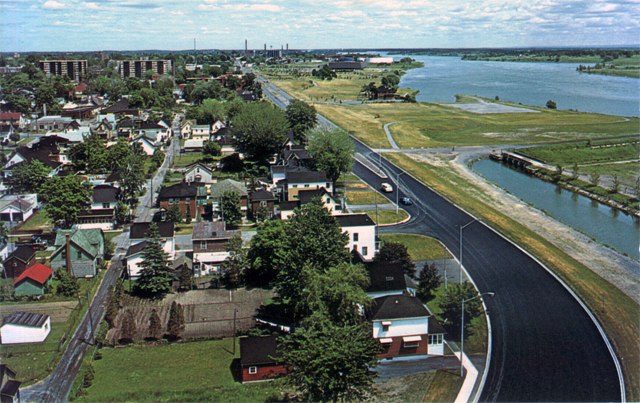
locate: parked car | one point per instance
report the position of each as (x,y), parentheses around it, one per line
(385,187)
(406,201)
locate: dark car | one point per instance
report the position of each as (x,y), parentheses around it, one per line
(406,201)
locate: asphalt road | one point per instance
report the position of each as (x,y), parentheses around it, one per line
(546,347)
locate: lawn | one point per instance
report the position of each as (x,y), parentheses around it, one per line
(183,160)
(444,386)
(438,125)
(627,172)
(365,197)
(184,229)
(440,385)
(38,220)
(621,316)
(565,154)
(420,247)
(159,373)
(386,217)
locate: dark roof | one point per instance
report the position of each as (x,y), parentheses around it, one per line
(179,190)
(23,252)
(25,319)
(261,195)
(122,106)
(137,248)
(354,220)
(347,65)
(105,194)
(287,205)
(386,277)
(139,230)
(435,327)
(306,195)
(114,176)
(151,126)
(257,350)
(40,152)
(306,176)
(126,122)
(10,388)
(397,307)
(212,230)
(293,153)
(98,212)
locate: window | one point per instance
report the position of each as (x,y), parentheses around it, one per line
(411,341)
(306,185)
(328,200)
(78,255)
(365,251)
(435,339)
(355,237)
(106,205)
(253,370)
(328,185)
(385,326)
(295,186)
(203,244)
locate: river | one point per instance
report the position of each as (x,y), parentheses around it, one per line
(443,77)
(602,223)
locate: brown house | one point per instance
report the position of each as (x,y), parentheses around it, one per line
(261,198)
(19,260)
(183,194)
(258,358)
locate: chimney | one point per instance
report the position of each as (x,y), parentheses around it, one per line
(68,252)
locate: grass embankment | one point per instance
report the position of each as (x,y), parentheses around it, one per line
(420,247)
(620,318)
(386,217)
(365,197)
(438,125)
(157,373)
(434,386)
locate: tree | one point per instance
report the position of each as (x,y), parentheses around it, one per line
(155,327)
(90,156)
(329,362)
(332,150)
(127,328)
(211,149)
(557,175)
(64,197)
(234,265)
(260,130)
(185,278)
(230,207)
(158,157)
(262,213)
(121,212)
(117,154)
(68,285)
(301,117)
(595,178)
(452,309)
(204,90)
(428,280)
(27,177)
(175,325)
(266,253)
(211,111)
(112,308)
(173,214)
(132,178)
(397,253)
(156,276)
(615,184)
(551,104)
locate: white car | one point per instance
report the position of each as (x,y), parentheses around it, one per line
(385,187)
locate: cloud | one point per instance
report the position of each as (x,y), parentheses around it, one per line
(92,6)
(253,7)
(139,5)
(53,5)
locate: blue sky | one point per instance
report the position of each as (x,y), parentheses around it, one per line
(58,25)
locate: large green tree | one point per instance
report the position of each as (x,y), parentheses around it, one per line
(27,177)
(210,111)
(90,156)
(230,207)
(332,150)
(156,277)
(301,117)
(64,197)
(266,253)
(260,129)
(428,280)
(396,252)
(451,305)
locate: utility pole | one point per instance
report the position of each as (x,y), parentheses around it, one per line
(462,328)
(235,313)
(90,318)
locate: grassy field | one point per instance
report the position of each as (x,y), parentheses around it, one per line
(366,197)
(38,220)
(157,373)
(420,247)
(438,125)
(182,160)
(627,172)
(621,315)
(386,216)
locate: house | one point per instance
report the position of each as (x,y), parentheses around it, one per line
(33,281)
(209,241)
(328,201)
(361,231)
(261,199)
(9,387)
(405,328)
(193,145)
(134,257)
(14,119)
(46,150)
(185,196)
(17,208)
(139,232)
(148,146)
(298,180)
(229,185)
(388,279)
(155,132)
(103,208)
(18,261)
(105,126)
(126,127)
(122,108)
(201,132)
(198,172)
(79,251)
(287,208)
(53,122)
(185,128)
(226,141)
(25,327)
(104,197)
(258,358)
(295,156)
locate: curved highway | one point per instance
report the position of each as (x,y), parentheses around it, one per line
(546,347)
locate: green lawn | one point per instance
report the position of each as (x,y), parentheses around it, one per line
(182,160)
(365,197)
(196,371)
(184,229)
(420,247)
(38,220)
(566,154)
(386,216)
(444,386)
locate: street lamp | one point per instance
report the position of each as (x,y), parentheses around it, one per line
(462,327)
(398,189)
(461,228)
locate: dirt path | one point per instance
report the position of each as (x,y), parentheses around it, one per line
(616,268)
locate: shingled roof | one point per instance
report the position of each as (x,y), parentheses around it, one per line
(386,276)
(23,253)
(38,273)
(25,319)
(354,220)
(258,350)
(140,230)
(178,191)
(398,307)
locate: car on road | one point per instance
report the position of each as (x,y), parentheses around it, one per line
(406,201)
(385,187)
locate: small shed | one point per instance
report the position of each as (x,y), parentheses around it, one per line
(33,281)
(258,358)
(25,327)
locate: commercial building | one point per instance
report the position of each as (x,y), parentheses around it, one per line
(74,69)
(137,68)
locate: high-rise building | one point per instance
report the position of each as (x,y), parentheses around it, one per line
(137,68)
(74,69)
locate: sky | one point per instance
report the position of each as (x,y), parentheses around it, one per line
(78,25)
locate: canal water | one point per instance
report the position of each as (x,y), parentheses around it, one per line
(602,223)
(442,77)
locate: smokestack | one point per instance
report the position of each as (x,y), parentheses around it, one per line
(68,252)
(245,47)
(194,44)
(287,47)
(265,48)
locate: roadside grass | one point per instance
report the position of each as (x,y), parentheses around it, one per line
(444,386)
(386,217)
(438,125)
(420,247)
(583,153)
(627,172)
(366,197)
(620,318)
(157,373)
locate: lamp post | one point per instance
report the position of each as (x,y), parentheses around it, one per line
(398,189)
(462,328)
(461,228)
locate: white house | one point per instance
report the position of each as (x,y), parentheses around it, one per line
(202,132)
(303,180)
(17,208)
(362,233)
(25,327)
(134,257)
(185,128)
(405,328)
(199,172)
(147,145)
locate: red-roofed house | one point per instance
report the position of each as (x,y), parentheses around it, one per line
(12,119)
(33,281)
